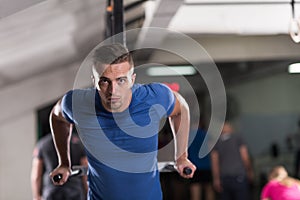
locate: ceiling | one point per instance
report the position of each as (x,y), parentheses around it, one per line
(38,36)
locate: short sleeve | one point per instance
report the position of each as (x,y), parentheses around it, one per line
(66,105)
(37,151)
(164,96)
(217,146)
(240,140)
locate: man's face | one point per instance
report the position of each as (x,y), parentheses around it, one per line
(114,85)
(227,128)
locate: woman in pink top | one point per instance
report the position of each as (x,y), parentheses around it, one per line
(281,186)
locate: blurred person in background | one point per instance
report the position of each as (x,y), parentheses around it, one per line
(45,160)
(280,186)
(231,166)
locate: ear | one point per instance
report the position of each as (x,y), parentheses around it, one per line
(93,81)
(133,76)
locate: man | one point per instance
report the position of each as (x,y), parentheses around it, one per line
(45,160)
(231,166)
(118,122)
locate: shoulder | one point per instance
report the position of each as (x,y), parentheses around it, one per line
(272,184)
(154,94)
(45,140)
(79,99)
(265,191)
(78,95)
(151,90)
(43,144)
(238,138)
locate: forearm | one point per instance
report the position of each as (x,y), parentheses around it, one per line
(180,136)
(248,167)
(246,161)
(215,166)
(36,188)
(61,133)
(180,124)
(84,162)
(36,178)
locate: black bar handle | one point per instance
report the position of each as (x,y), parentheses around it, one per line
(76,171)
(57,178)
(187,171)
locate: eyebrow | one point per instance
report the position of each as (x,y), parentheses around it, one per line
(105,78)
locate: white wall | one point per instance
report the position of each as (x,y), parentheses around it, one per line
(18,130)
(269,110)
(17,136)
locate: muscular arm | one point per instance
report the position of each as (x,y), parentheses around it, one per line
(36,178)
(180,124)
(215,165)
(84,162)
(61,132)
(246,160)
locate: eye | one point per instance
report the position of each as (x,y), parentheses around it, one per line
(103,81)
(122,80)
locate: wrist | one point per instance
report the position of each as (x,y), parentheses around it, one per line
(65,167)
(183,156)
(39,197)
(65,164)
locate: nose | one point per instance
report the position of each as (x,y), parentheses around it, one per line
(113,87)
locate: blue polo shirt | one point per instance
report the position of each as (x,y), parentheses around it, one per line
(121,147)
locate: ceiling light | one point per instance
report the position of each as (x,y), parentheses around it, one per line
(171,70)
(294,68)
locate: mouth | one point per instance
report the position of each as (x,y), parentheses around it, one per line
(113,99)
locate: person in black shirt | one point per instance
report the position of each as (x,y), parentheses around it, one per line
(45,160)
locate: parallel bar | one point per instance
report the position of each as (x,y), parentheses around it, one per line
(119,25)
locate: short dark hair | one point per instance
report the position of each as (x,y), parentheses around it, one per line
(112,54)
